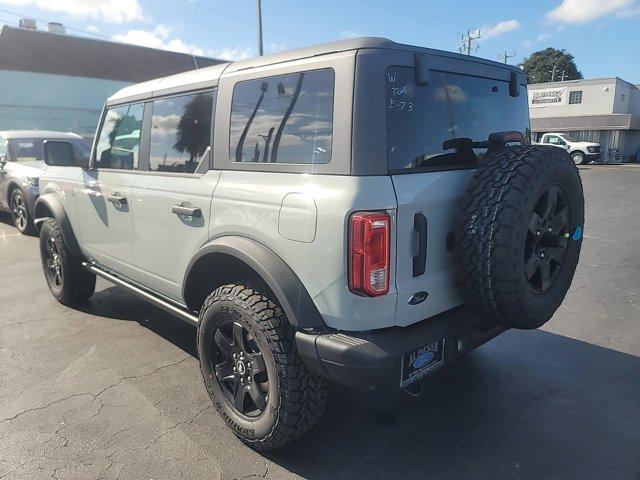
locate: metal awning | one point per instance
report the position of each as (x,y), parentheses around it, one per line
(586,122)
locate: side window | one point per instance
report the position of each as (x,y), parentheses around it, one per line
(283,119)
(553,139)
(3,147)
(180,132)
(575,97)
(119,140)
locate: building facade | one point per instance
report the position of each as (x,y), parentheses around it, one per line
(602,110)
(53,81)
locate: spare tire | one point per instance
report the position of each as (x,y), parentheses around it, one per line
(519,236)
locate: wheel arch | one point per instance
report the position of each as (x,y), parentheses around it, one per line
(573,152)
(233,258)
(48,206)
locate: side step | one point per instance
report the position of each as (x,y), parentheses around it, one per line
(149,297)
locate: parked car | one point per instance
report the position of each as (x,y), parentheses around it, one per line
(362,211)
(580,152)
(21,163)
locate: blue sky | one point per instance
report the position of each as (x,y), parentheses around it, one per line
(602,34)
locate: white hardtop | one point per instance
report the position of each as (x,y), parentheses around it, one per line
(47,134)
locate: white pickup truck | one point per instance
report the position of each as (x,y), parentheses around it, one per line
(580,152)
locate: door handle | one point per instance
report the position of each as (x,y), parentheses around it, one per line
(186,211)
(420,260)
(117,200)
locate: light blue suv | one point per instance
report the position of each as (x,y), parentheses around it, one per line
(21,163)
(363,212)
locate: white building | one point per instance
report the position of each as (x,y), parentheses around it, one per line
(603,110)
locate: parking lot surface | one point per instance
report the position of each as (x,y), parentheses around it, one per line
(114,390)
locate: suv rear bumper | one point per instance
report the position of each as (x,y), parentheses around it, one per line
(372,360)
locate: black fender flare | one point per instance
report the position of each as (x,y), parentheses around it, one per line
(273,270)
(48,206)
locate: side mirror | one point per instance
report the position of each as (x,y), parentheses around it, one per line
(59,153)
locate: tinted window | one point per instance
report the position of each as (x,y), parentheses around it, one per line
(31,149)
(283,119)
(453,107)
(180,132)
(119,140)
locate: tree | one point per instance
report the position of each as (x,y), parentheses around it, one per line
(539,66)
(193,130)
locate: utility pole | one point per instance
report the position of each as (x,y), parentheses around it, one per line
(553,73)
(259,28)
(467,40)
(505,56)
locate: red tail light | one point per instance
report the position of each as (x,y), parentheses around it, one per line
(369,247)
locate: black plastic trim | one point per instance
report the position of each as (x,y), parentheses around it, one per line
(371,361)
(283,282)
(52,204)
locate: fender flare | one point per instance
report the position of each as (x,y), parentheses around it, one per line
(283,282)
(47,206)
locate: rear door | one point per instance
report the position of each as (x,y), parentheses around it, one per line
(430,133)
(172,195)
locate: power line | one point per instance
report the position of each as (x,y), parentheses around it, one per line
(248,22)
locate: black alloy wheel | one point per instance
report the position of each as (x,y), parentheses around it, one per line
(53,263)
(547,239)
(240,369)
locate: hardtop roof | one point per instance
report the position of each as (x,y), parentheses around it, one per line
(212,74)
(17,134)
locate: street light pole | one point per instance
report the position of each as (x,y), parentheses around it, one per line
(259,28)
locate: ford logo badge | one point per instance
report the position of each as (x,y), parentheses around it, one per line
(417,298)
(423,360)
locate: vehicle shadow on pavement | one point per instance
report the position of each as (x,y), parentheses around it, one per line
(116,303)
(526,405)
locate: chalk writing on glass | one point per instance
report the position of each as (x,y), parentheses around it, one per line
(392,77)
(397,91)
(400,105)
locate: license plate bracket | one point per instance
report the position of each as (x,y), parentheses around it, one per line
(421,361)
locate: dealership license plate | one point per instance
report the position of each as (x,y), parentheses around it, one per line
(418,363)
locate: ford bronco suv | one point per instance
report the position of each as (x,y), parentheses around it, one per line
(362,212)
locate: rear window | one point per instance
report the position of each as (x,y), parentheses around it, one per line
(283,119)
(453,106)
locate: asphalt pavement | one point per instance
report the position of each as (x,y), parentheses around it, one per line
(114,390)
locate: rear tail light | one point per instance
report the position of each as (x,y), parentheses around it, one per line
(369,246)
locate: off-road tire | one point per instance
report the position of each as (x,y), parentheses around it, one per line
(296,396)
(493,228)
(77,283)
(25,225)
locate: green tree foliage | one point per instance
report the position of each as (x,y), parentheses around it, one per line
(539,66)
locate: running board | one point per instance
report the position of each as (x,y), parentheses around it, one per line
(149,297)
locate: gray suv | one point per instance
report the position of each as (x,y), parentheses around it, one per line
(21,163)
(362,212)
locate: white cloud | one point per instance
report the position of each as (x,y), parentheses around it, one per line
(542,37)
(349,34)
(500,28)
(112,11)
(579,12)
(232,53)
(92,29)
(158,38)
(527,44)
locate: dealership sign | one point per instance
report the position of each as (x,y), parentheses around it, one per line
(548,97)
